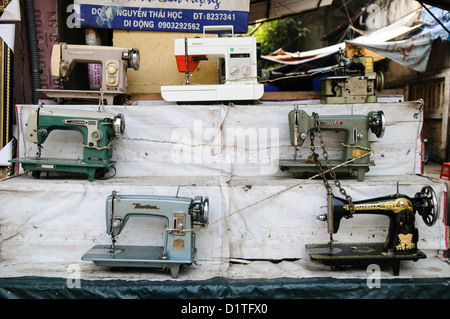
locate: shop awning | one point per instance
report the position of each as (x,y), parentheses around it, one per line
(413,51)
(283,57)
(443,4)
(266,9)
(383,35)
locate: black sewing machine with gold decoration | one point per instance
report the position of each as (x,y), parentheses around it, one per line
(402,237)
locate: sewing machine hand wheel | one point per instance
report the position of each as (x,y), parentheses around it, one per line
(119,125)
(379,81)
(133,57)
(200,210)
(427,205)
(377,123)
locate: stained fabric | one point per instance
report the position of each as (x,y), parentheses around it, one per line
(413,51)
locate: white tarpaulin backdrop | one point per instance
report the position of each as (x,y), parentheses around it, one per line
(256,211)
(219,139)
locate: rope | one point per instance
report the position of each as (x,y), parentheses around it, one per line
(370,151)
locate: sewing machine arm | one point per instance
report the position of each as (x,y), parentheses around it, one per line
(424,203)
(179,213)
(301,124)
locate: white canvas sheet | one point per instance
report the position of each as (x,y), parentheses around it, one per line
(256,216)
(219,140)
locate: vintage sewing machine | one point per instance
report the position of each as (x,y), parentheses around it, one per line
(180,215)
(98,130)
(356,141)
(115,62)
(238,76)
(402,237)
(355,81)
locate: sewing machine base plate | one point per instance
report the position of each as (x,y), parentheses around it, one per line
(109,96)
(348,99)
(361,254)
(300,169)
(39,164)
(196,93)
(133,256)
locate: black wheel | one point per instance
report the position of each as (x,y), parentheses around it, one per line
(426,157)
(427,205)
(36,174)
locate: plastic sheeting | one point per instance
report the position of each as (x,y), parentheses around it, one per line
(223,288)
(414,51)
(382,35)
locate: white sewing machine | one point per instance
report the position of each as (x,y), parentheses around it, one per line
(115,62)
(238,77)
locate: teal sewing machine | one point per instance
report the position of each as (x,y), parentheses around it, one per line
(98,130)
(180,215)
(356,141)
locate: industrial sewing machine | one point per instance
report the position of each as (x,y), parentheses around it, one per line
(180,215)
(356,141)
(115,62)
(238,75)
(355,81)
(98,130)
(402,237)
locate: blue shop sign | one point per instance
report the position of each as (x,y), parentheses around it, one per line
(160,19)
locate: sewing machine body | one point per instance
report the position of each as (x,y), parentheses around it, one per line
(115,62)
(238,81)
(97,128)
(354,81)
(402,236)
(180,215)
(356,128)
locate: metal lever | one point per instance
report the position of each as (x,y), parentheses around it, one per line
(186,56)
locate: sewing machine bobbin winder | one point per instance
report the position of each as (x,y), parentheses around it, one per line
(402,237)
(180,215)
(98,130)
(238,77)
(115,62)
(356,141)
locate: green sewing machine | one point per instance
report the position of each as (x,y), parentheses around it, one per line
(356,141)
(354,81)
(180,215)
(98,130)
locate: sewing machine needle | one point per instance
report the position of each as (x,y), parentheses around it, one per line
(113,244)
(330,244)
